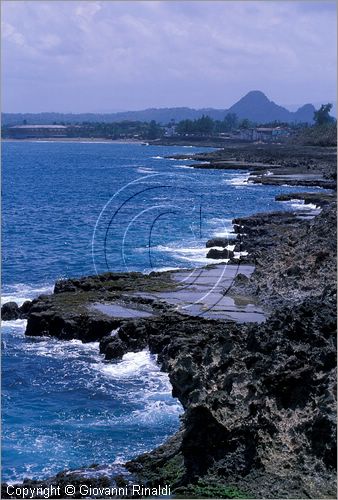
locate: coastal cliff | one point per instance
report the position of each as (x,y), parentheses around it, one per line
(258,397)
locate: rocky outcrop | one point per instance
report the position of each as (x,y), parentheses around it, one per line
(222,250)
(255,397)
(220,242)
(69,313)
(275,164)
(262,232)
(131,336)
(299,158)
(292,179)
(320,198)
(11,310)
(294,258)
(215,253)
(260,399)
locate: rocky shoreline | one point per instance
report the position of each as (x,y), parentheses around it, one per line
(258,396)
(275,164)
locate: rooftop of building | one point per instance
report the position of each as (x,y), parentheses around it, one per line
(38,126)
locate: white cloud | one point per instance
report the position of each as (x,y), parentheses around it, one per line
(138,54)
(88,9)
(10,34)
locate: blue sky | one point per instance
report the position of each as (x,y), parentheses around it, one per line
(101,56)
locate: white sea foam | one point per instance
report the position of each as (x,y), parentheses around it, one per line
(54,348)
(205,260)
(238,180)
(163,269)
(155,394)
(221,228)
(218,221)
(106,377)
(157,157)
(224,234)
(183,166)
(301,205)
(156,390)
(182,250)
(296,204)
(237,255)
(155,412)
(228,247)
(135,384)
(16,323)
(20,292)
(197,255)
(132,364)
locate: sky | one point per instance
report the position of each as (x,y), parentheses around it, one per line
(106,56)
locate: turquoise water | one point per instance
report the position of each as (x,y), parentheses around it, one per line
(70,209)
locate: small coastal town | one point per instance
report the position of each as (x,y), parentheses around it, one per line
(266,134)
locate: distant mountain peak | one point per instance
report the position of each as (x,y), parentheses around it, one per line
(256,106)
(307,107)
(255,94)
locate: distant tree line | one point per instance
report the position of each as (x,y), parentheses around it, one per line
(322,115)
(116,130)
(322,133)
(207,126)
(200,127)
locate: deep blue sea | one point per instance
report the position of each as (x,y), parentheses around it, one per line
(70,209)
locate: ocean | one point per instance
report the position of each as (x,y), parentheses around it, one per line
(72,209)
